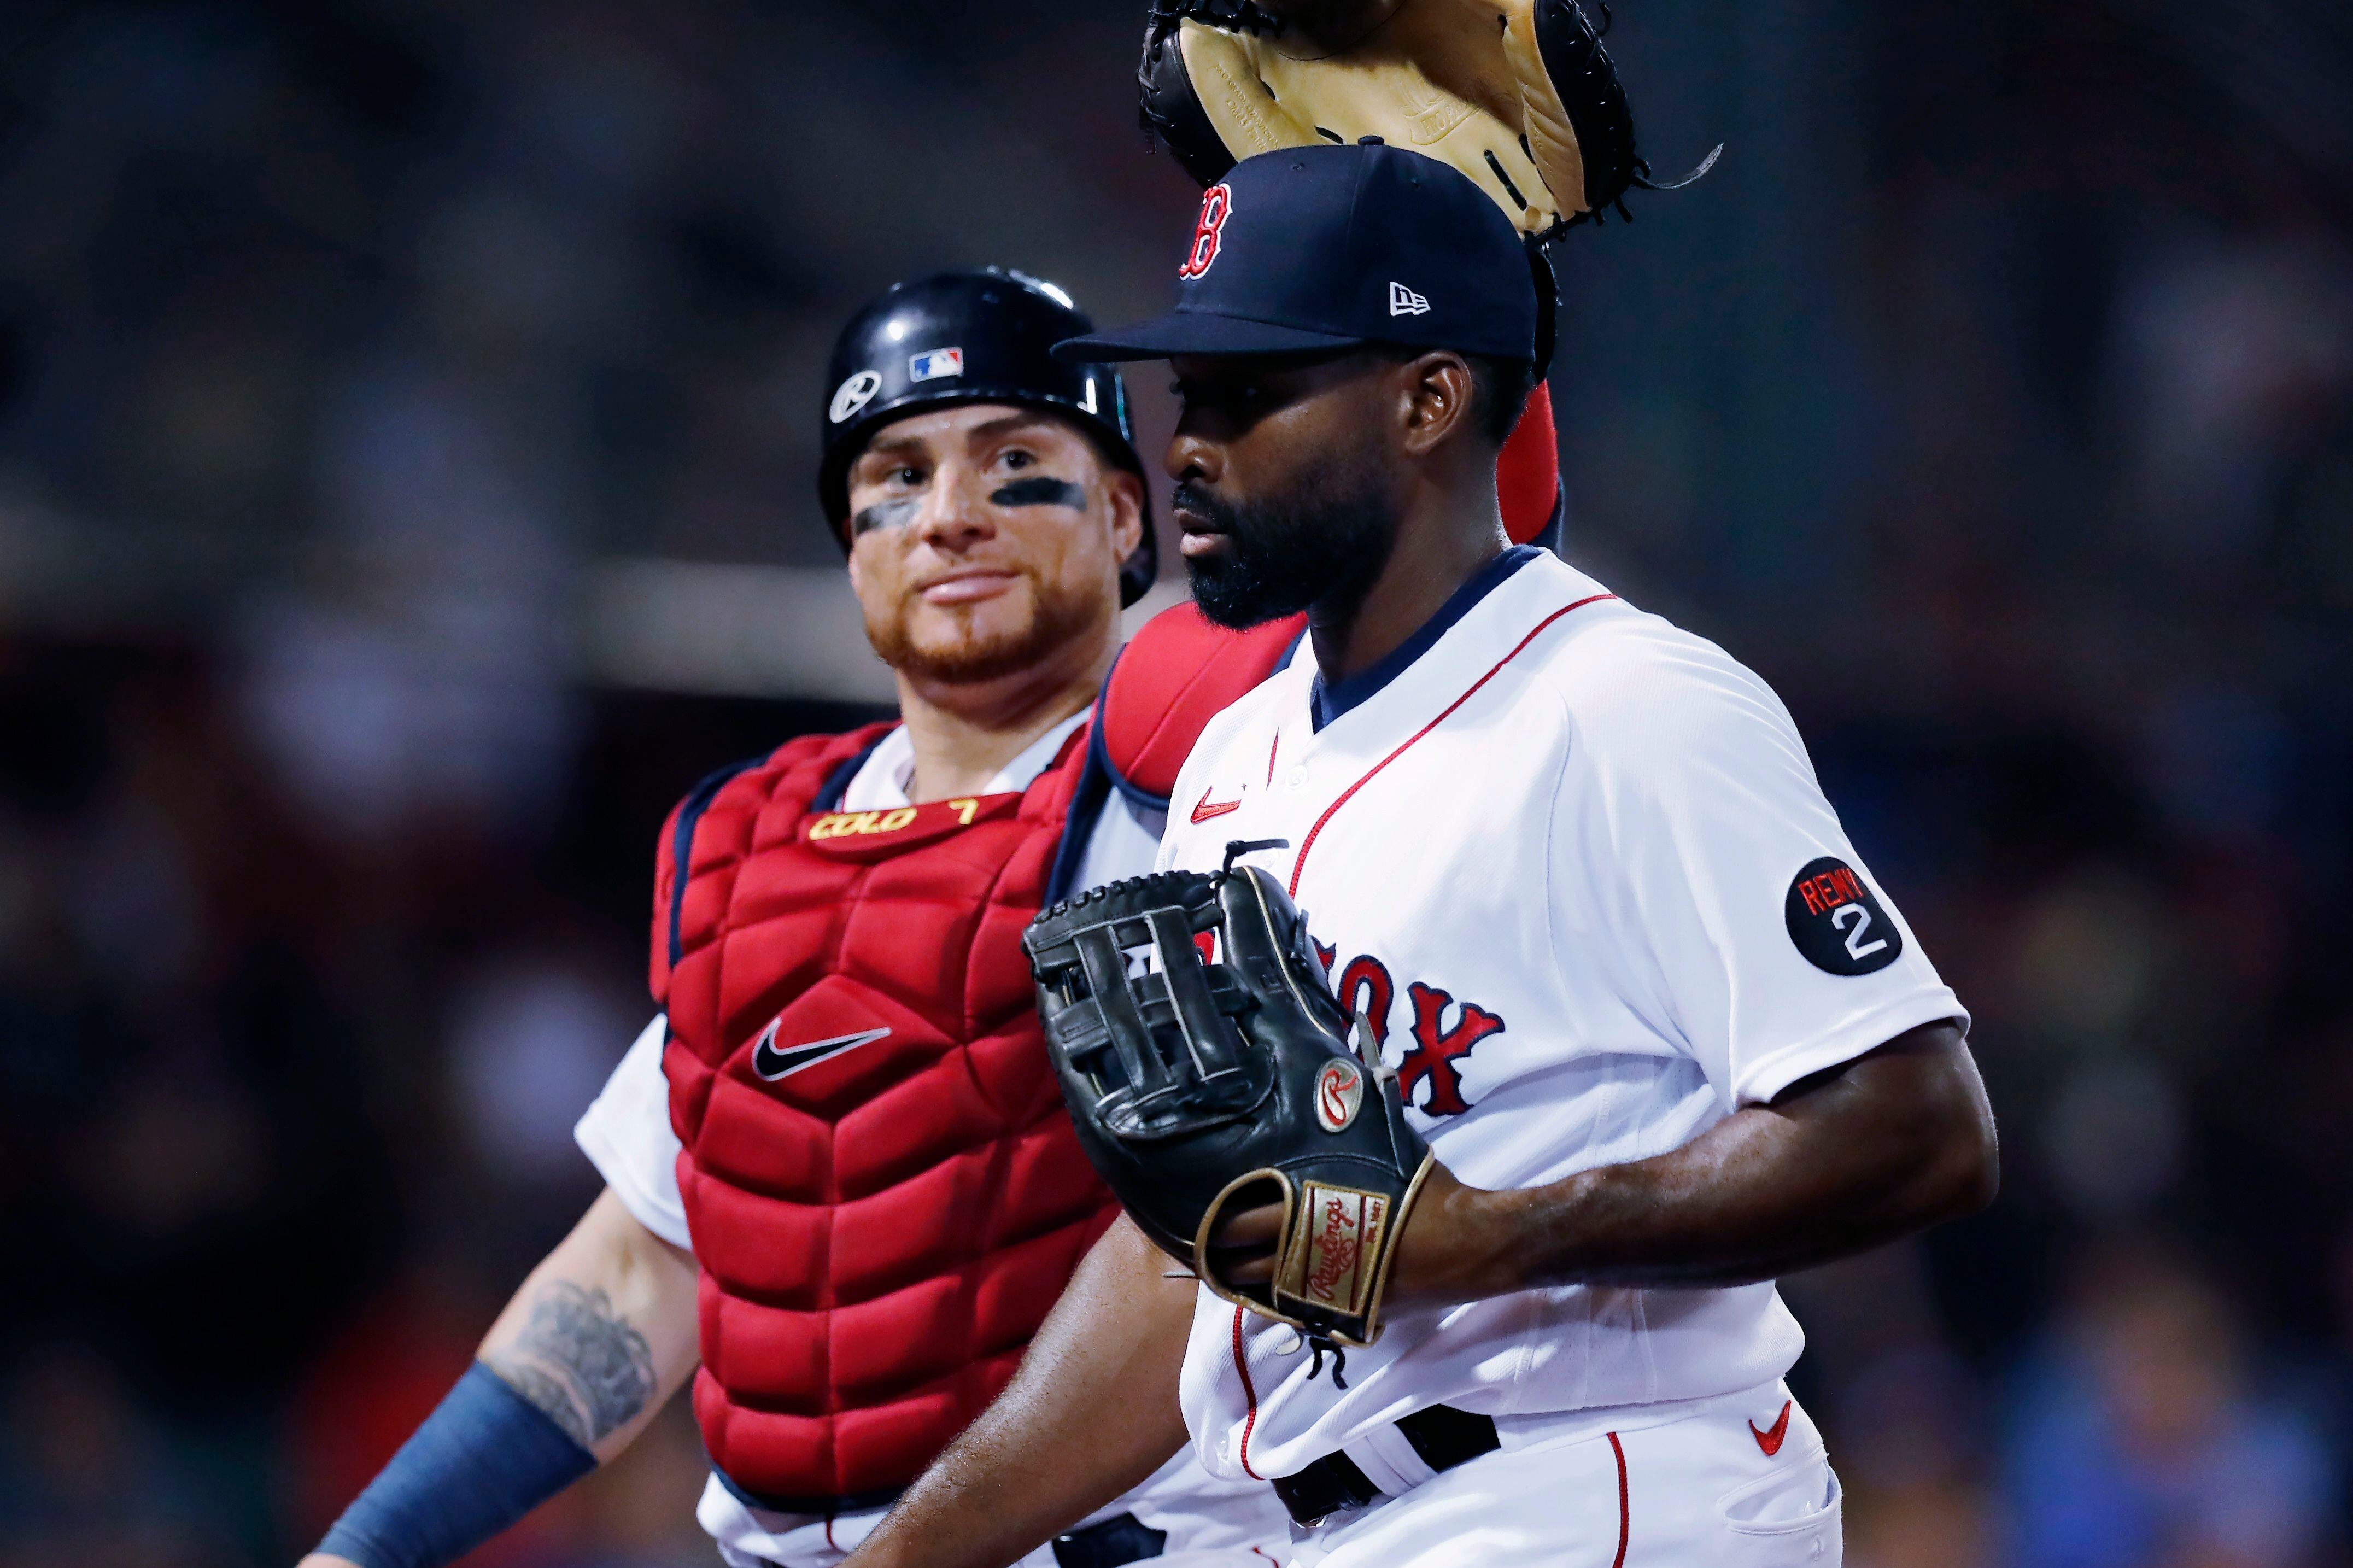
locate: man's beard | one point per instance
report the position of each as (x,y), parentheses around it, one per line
(1061,615)
(1323,541)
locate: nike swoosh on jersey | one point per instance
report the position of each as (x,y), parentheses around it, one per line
(1209,808)
(771,1064)
(1770,1440)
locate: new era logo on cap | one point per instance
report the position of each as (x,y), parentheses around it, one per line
(1404,301)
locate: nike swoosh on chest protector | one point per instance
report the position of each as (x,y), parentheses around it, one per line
(770,1063)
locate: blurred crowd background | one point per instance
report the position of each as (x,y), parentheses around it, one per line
(406,428)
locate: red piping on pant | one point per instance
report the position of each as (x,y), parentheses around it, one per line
(1300,864)
(1249,1392)
(1625,1515)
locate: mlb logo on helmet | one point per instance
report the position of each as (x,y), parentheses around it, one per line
(934,363)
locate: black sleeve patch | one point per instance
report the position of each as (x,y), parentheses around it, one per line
(1836,920)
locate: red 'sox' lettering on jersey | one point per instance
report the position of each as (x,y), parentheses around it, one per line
(1365,989)
(1436,1051)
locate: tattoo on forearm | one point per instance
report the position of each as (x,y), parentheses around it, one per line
(579,1361)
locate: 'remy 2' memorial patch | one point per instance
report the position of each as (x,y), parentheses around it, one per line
(1837,923)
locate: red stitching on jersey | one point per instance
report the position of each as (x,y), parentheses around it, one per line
(1624,1512)
(1269,758)
(1301,864)
(1625,1515)
(1249,1392)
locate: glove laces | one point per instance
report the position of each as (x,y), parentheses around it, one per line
(1318,1344)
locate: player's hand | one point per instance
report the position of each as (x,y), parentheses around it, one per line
(322,1560)
(1442,1257)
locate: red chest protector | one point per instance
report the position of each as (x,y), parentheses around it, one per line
(882,1186)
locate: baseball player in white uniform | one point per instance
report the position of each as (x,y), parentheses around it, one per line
(1570,866)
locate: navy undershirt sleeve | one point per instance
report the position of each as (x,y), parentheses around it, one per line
(485,1457)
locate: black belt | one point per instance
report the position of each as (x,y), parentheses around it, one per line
(1121,1539)
(1443,1437)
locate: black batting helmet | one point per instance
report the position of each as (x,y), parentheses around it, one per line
(981,336)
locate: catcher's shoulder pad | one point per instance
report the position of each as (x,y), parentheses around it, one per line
(1527,475)
(1179,672)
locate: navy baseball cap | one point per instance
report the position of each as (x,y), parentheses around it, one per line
(1328,247)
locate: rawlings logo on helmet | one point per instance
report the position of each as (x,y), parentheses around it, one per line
(1217,206)
(853,395)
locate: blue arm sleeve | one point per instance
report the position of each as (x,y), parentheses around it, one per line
(485,1457)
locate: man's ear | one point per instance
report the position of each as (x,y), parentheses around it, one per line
(1439,387)
(1124,492)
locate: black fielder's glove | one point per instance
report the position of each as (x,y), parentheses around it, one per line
(1517,94)
(1203,1089)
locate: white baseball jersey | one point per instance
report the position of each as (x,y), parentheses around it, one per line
(1573,866)
(626,1135)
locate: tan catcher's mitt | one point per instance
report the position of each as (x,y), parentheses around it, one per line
(1517,94)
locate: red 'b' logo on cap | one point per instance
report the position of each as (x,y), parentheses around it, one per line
(1217,206)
